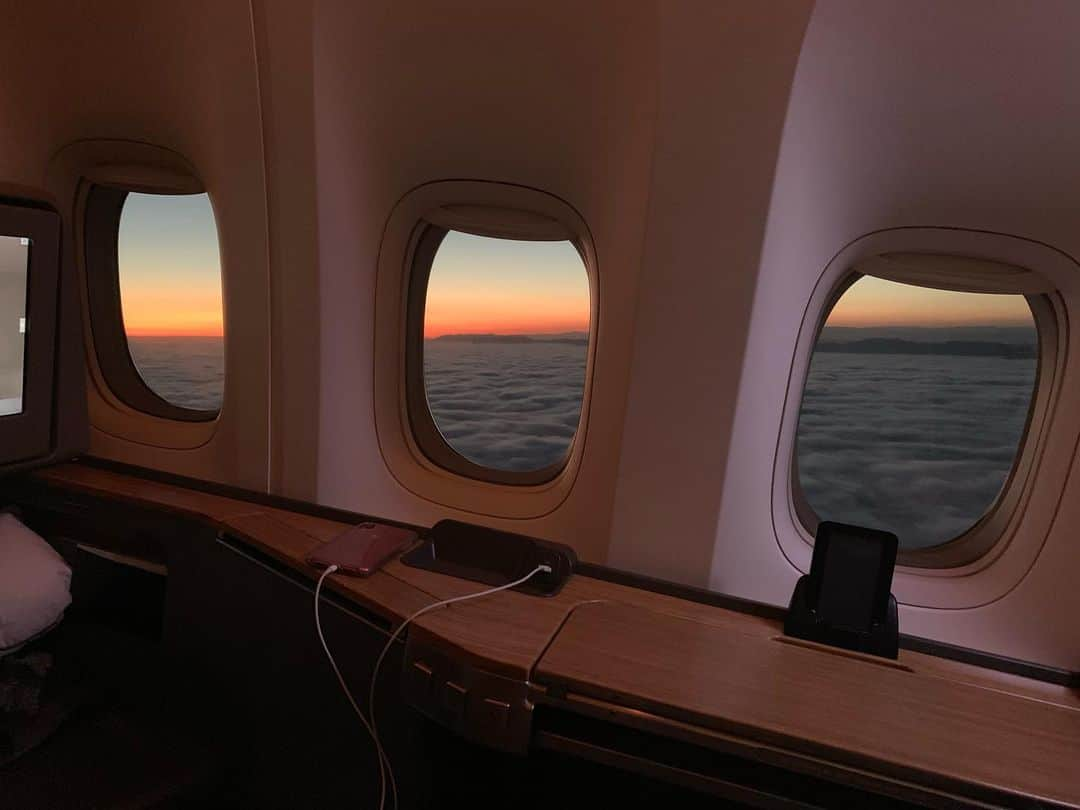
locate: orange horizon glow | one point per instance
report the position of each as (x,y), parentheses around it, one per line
(484,285)
(517,328)
(170,279)
(169,267)
(151,323)
(174,332)
(874,302)
(854,321)
(153,311)
(447,318)
(144,316)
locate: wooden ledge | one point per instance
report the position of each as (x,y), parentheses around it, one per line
(926,730)
(932,721)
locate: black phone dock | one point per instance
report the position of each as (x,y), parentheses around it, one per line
(845,600)
(492,557)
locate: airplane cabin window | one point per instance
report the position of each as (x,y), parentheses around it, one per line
(14,260)
(915,409)
(154,283)
(170,294)
(505,334)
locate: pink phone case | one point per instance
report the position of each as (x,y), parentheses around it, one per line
(363,549)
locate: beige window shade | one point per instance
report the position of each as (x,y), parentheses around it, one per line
(960,273)
(499,223)
(145,178)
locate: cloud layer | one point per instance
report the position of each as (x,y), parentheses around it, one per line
(512,407)
(186,371)
(917,445)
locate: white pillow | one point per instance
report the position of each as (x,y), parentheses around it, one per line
(35,584)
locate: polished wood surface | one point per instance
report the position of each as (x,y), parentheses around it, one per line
(924,729)
(491,647)
(286,536)
(932,719)
(504,633)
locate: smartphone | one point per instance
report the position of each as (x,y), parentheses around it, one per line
(851,575)
(363,549)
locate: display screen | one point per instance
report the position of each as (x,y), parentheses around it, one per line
(14,264)
(855,577)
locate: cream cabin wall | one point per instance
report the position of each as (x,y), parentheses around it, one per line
(725,77)
(642,118)
(720,154)
(959,115)
(557,97)
(180,77)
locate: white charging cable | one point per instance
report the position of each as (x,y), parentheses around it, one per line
(540,569)
(386,772)
(341,680)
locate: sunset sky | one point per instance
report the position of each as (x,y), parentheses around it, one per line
(875,302)
(170,268)
(170,283)
(479,285)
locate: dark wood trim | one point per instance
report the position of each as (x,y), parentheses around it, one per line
(926,646)
(752,773)
(239,493)
(938,735)
(985,660)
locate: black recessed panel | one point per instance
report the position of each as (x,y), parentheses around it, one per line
(492,557)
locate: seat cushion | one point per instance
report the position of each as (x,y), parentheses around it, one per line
(35,584)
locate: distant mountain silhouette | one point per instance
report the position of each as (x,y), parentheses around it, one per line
(962,348)
(569,338)
(934,334)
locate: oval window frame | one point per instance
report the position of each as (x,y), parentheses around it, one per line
(103,207)
(1001,568)
(484,208)
(425,430)
(981,536)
